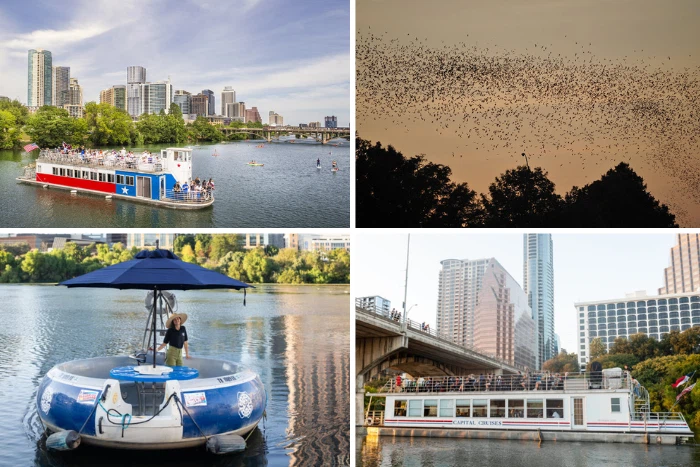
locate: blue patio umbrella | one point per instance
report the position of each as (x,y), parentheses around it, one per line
(156,270)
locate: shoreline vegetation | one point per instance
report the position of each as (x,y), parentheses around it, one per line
(105,126)
(20,264)
(397,191)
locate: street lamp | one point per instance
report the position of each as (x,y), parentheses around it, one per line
(526,162)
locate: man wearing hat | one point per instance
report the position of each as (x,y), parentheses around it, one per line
(176,336)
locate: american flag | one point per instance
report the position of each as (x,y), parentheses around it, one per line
(684,391)
(31,147)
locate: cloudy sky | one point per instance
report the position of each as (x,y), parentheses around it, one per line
(293,59)
(586,268)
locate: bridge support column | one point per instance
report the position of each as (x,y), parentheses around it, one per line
(359,400)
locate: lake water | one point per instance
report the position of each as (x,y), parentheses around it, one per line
(288,192)
(295,337)
(385,451)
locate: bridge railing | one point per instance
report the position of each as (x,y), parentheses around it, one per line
(576,382)
(425,328)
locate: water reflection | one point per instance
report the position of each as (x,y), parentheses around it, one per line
(297,338)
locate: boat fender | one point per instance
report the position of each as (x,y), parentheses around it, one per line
(66,440)
(225,444)
(370,421)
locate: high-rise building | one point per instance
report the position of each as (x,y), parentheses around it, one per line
(60,85)
(481,306)
(39,78)
(330,242)
(538,282)
(182,99)
(275,119)
(638,312)
(252,115)
(75,92)
(114,96)
(228,96)
(503,324)
(156,96)
(211,106)
(199,104)
(135,77)
(331,122)
(236,111)
(146,240)
(4,99)
(376,304)
(314,124)
(683,275)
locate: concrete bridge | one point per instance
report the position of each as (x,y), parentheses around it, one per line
(322,135)
(382,343)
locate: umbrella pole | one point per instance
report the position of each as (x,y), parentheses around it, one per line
(155,296)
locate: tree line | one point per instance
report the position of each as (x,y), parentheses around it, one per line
(105,125)
(222,253)
(397,191)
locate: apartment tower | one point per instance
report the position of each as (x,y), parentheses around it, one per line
(538,282)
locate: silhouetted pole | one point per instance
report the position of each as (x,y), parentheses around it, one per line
(405,287)
(526,162)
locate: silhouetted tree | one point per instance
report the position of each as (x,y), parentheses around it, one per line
(395,191)
(619,199)
(521,198)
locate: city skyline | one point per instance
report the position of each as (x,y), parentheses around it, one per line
(304,84)
(586,268)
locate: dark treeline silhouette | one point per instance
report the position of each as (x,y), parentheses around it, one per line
(396,191)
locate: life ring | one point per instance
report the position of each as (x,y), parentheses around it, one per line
(370,421)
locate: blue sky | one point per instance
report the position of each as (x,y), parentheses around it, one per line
(290,57)
(586,267)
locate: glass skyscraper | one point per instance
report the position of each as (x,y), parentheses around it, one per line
(538,282)
(39,78)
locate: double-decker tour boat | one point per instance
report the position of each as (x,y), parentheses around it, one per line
(150,178)
(604,406)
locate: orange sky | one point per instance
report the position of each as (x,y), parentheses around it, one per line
(641,33)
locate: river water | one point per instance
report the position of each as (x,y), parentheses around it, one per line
(295,337)
(288,192)
(385,451)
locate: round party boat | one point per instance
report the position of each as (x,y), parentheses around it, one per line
(136,401)
(122,402)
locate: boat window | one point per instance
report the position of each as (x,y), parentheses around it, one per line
(93,175)
(120,179)
(55,170)
(415,408)
(63,172)
(447,408)
(430,408)
(463,407)
(516,408)
(69,173)
(130,180)
(498,408)
(555,408)
(615,404)
(534,408)
(399,408)
(480,409)
(101,177)
(86,175)
(110,178)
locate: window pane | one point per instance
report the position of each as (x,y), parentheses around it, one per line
(430,408)
(415,408)
(447,408)
(399,408)
(615,404)
(463,407)
(516,408)
(534,408)
(498,408)
(480,408)
(555,408)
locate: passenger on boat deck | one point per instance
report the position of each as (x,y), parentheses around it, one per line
(176,337)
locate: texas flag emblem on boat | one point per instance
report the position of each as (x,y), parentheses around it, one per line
(681,381)
(125,190)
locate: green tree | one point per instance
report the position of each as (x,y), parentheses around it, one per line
(621,346)
(234,265)
(182,240)
(108,125)
(50,126)
(18,110)
(222,244)
(686,342)
(643,346)
(187,254)
(257,266)
(9,130)
(202,130)
(597,348)
(562,363)
(521,198)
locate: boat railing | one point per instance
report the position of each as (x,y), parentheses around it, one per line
(141,163)
(662,417)
(189,197)
(577,382)
(375,418)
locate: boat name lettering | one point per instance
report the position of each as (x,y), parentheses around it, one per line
(87,396)
(477,422)
(227,379)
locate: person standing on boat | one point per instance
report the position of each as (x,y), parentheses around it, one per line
(176,337)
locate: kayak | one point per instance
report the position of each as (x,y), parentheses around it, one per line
(256,165)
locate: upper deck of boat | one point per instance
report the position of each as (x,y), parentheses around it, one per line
(150,163)
(542,383)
